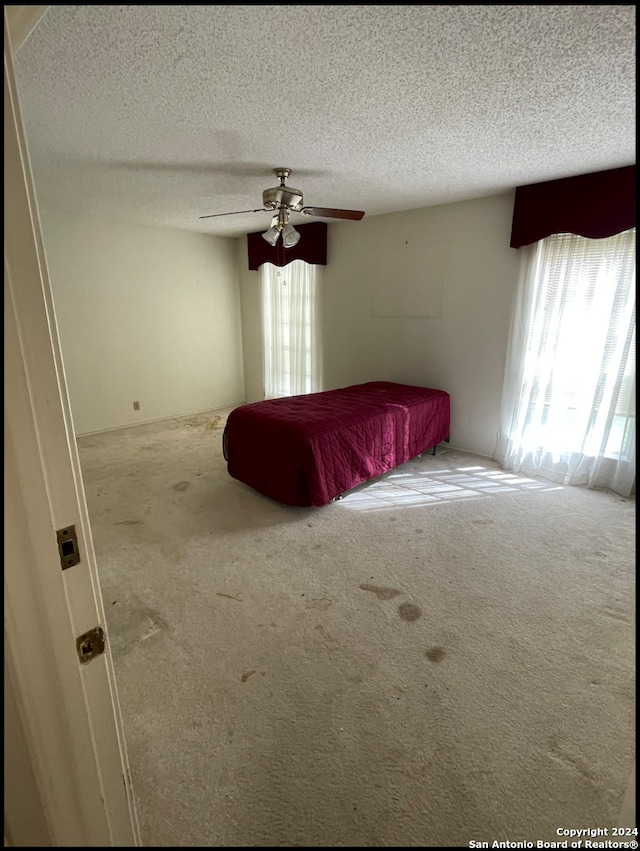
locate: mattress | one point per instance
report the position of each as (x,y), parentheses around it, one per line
(307,450)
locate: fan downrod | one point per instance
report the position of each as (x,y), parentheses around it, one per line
(282,174)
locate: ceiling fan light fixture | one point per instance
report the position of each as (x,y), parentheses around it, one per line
(290,236)
(284,200)
(273,233)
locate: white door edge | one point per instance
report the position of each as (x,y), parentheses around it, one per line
(69,711)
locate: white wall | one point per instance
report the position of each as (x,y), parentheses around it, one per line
(251,306)
(144,315)
(422,297)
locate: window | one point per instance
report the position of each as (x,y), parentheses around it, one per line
(569,393)
(291,329)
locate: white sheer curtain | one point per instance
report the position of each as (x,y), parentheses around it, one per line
(568,411)
(291,329)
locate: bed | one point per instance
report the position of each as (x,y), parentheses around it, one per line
(310,449)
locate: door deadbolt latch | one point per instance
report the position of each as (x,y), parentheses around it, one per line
(90,644)
(68,546)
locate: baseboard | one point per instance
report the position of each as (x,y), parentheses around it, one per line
(160,419)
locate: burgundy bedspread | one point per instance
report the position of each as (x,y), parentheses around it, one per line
(306,450)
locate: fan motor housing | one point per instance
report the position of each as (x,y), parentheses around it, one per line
(282,196)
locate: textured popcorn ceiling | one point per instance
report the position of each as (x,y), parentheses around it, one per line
(160,114)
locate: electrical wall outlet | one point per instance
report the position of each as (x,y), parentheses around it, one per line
(136,406)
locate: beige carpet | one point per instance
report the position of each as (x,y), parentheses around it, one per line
(446,655)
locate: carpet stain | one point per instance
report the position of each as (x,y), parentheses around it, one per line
(151,629)
(214,423)
(558,753)
(171,552)
(483,522)
(229,596)
(246,676)
(181,486)
(319,603)
(381,593)
(409,612)
(327,640)
(435,654)
(127,522)
(128,627)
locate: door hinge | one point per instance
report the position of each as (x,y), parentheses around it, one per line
(90,645)
(68,546)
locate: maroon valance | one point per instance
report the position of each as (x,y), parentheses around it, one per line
(594,205)
(312,247)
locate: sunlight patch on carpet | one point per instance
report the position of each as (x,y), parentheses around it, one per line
(429,488)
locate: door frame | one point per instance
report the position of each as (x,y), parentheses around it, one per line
(67,777)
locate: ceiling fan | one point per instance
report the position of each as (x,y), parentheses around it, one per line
(284,200)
